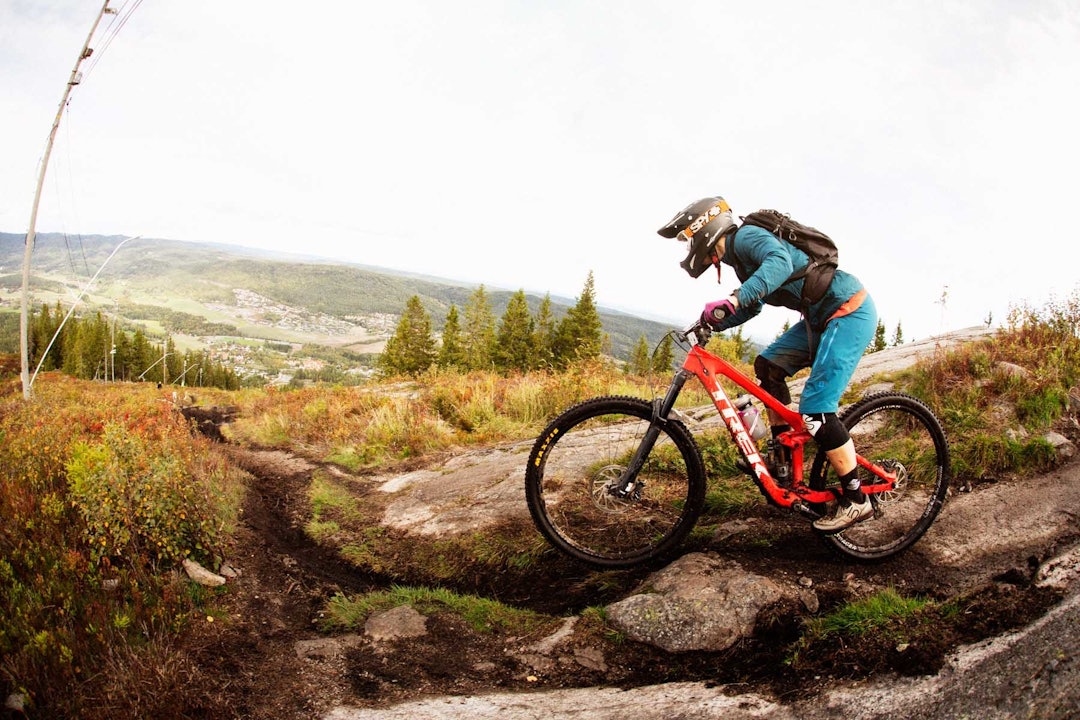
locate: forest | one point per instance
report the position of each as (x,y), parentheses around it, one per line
(96,348)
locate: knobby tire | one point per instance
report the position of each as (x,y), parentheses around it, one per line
(898,432)
(582,453)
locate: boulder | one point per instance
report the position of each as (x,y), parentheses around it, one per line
(699,602)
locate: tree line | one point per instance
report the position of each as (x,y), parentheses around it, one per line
(94,348)
(473,339)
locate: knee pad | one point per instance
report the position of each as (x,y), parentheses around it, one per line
(829,433)
(772,378)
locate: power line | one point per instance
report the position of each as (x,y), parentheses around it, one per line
(120,17)
(74,79)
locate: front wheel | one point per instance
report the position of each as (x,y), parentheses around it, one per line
(901,434)
(580,457)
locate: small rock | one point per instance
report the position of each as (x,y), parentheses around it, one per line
(1074,400)
(1017,434)
(810,600)
(201,575)
(1065,449)
(591,658)
(729,529)
(1061,572)
(401,622)
(1013,370)
(15,702)
(229,571)
(805,581)
(548,644)
(325,648)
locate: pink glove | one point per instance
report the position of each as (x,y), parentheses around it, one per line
(715,312)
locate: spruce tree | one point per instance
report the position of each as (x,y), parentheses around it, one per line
(544,335)
(451,353)
(640,361)
(478,339)
(514,346)
(411,350)
(665,356)
(743,345)
(879,338)
(141,354)
(41,335)
(898,336)
(580,335)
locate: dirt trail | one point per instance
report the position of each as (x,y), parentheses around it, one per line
(269,660)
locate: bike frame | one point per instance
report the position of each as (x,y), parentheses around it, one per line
(709,368)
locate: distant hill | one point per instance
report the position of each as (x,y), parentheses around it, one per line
(205,291)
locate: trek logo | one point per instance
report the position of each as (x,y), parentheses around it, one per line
(742,439)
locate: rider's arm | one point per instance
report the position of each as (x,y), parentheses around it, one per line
(757,248)
(760,249)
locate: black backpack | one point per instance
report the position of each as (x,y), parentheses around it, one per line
(818,246)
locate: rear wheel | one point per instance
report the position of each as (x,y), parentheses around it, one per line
(901,434)
(581,456)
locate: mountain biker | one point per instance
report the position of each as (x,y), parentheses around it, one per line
(834,335)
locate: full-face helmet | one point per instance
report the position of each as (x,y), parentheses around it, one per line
(701,224)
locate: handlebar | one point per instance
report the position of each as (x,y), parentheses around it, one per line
(697,334)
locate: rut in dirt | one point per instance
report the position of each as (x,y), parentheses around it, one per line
(272,509)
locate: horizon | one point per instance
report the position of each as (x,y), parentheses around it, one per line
(288,255)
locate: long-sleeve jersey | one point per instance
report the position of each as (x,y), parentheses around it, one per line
(763,263)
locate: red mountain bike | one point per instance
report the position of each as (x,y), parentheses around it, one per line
(617,481)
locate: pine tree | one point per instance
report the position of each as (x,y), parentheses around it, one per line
(514,346)
(451,353)
(665,356)
(639,362)
(40,333)
(544,335)
(174,362)
(478,341)
(580,335)
(898,336)
(879,338)
(411,350)
(141,354)
(743,345)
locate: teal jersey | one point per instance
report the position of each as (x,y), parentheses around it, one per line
(763,263)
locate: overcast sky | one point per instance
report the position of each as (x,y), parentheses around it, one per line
(524,144)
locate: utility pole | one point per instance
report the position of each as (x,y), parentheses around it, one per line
(76,76)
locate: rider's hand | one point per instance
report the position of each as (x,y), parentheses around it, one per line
(715,312)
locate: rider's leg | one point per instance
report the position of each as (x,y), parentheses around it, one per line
(841,346)
(785,356)
(773,379)
(832,437)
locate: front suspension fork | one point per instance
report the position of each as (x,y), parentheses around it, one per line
(628,483)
